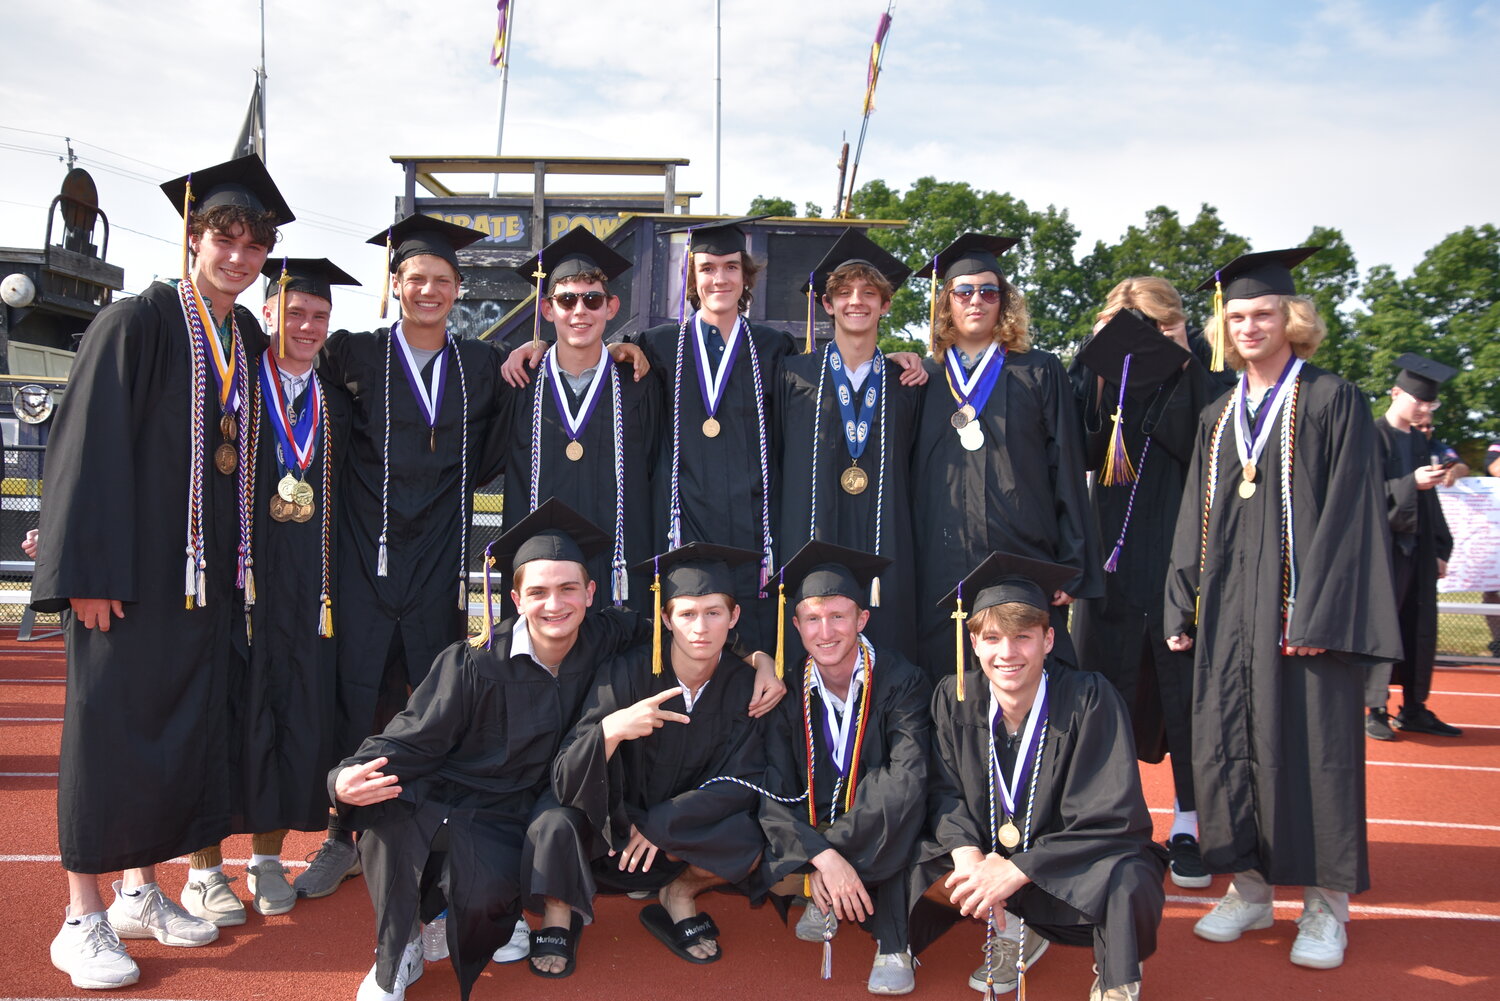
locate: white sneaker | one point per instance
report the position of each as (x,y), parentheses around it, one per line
(519,946)
(435,939)
(1006,951)
(212,900)
(408,972)
(89,952)
(1129,992)
(270,893)
(814,923)
(1321,938)
(149,913)
(892,973)
(1232,917)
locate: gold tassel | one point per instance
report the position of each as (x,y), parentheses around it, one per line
(536,313)
(249,583)
(385,282)
(1117,465)
(810,295)
(325,619)
(656,622)
(1216,363)
(958,644)
(875,592)
(187,224)
(283,281)
(932,313)
(781,632)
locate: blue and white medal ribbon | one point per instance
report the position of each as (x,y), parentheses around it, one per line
(711,387)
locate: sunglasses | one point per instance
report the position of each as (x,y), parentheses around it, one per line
(989,294)
(591,300)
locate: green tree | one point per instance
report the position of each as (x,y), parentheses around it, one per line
(763,205)
(1331,277)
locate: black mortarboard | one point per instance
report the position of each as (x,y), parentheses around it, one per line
(312,275)
(1421,376)
(573,253)
(1003,578)
(1253,275)
(1154,357)
(424,234)
(725,237)
(696,569)
(553,531)
(244,181)
(970,254)
(852,247)
(822,570)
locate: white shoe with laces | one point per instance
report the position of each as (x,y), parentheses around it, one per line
(1321,938)
(89,952)
(150,913)
(892,973)
(519,946)
(408,972)
(1231,917)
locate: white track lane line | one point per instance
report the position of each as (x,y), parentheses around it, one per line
(1451,768)
(1374,910)
(179,860)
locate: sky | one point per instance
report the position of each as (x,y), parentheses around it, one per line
(1380,119)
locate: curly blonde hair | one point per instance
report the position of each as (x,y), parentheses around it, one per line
(1305,329)
(1153,296)
(1012,327)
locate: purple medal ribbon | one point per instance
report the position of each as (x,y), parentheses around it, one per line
(713,393)
(295,443)
(573,426)
(430,408)
(840,761)
(1260,418)
(1036,724)
(980,394)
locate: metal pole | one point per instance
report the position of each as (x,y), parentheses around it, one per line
(263,149)
(510,30)
(718,104)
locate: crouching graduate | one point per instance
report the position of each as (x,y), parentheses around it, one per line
(859,747)
(658,781)
(1036,806)
(446,792)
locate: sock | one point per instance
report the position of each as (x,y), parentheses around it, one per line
(201,875)
(263,859)
(338,832)
(1183,822)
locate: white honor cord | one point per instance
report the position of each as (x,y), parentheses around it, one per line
(1249,453)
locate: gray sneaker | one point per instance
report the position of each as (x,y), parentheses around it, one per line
(89,952)
(892,973)
(333,863)
(270,893)
(814,924)
(149,913)
(212,900)
(1005,962)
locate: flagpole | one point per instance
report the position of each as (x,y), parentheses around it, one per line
(865,123)
(718,104)
(510,25)
(262,73)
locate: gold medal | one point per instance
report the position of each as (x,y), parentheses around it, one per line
(960,420)
(281,510)
(286,488)
(1010,835)
(711,428)
(574,451)
(302,495)
(301,512)
(1247,489)
(228,429)
(225,459)
(1248,472)
(854,480)
(972,437)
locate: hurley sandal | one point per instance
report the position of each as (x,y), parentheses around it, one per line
(557,941)
(679,935)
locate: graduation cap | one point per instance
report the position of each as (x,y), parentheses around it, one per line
(824,570)
(573,253)
(690,571)
(243,181)
(311,275)
(719,238)
(970,254)
(416,235)
(1003,578)
(1421,376)
(1250,276)
(553,531)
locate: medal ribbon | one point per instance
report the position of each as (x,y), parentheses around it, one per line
(836,731)
(225,370)
(573,424)
(975,388)
(847,763)
(712,389)
(1031,738)
(1260,435)
(299,439)
(429,398)
(856,420)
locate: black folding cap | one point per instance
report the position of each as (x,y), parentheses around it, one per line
(854,247)
(243,181)
(726,237)
(573,253)
(1253,275)
(970,254)
(1421,376)
(1003,578)
(311,275)
(424,234)
(697,569)
(1154,356)
(553,531)
(824,570)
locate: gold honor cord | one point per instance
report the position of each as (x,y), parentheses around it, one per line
(385,281)
(187,223)
(536,314)
(282,282)
(959,615)
(1221,331)
(656,618)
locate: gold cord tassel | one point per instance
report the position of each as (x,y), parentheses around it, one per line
(385,282)
(781,629)
(249,584)
(283,281)
(656,622)
(187,224)
(810,294)
(958,644)
(536,313)
(1216,363)
(1117,465)
(932,313)
(325,618)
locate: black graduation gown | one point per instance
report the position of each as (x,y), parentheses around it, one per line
(588,485)
(285,700)
(719,478)
(1091,852)
(1278,741)
(1119,634)
(473,750)
(143,773)
(407,617)
(849,519)
(1023,493)
(653,782)
(1419,538)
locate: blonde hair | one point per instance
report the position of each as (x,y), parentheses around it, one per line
(1012,327)
(1305,329)
(1009,618)
(843,277)
(1151,295)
